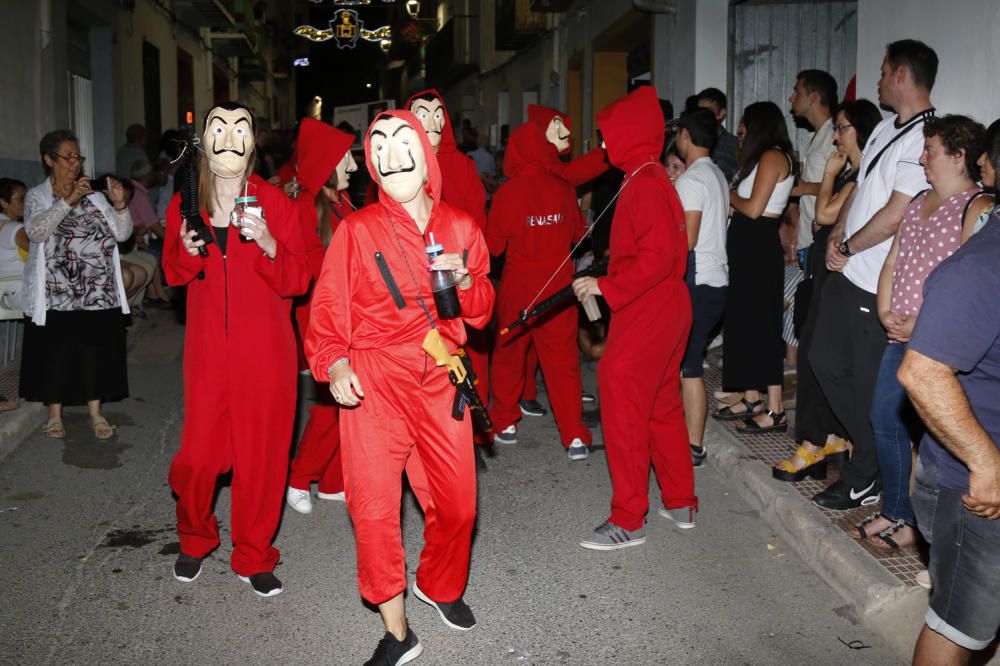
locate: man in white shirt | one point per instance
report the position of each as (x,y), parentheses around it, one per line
(849,341)
(704,195)
(812,100)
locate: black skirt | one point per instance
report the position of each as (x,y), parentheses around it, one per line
(754,349)
(77,356)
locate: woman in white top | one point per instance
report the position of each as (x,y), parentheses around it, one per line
(754,348)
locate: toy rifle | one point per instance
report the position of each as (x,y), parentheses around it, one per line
(462,378)
(188,176)
(594,270)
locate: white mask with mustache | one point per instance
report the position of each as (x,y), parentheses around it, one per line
(431,116)
(398,157)
(228,142)
(557,134)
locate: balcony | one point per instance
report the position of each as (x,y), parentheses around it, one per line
(449,54)
(516,24)
(214,14)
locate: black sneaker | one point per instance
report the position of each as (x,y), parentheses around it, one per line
(187,568)
(698,455)
(265,584)
(532,408)
(391,652)
(588,397)
(456,614)
(841,497)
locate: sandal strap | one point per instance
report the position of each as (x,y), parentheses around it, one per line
(809,457)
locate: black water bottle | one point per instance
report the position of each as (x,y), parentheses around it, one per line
(443,286)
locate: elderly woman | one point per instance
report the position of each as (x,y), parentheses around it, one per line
(74,335)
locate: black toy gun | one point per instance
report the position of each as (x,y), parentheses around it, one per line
(188,177)
(462,378)
(466,394)
(566,293)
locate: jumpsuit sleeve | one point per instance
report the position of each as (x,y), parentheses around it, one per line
(585,167)
(288,273)
(496,226)
(477,300)
(179,267)
(309,225)
(649,256)
(328,337)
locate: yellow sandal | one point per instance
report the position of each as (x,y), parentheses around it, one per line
(815,467)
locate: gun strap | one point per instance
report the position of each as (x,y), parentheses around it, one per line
(390,282)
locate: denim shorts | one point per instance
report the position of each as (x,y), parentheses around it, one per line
(964,567)
(708,305)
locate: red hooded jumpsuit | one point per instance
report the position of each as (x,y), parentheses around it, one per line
(639,374)
(535,219)
(404,419)
(319,148)
(576,172)
(239,380)
(462,188)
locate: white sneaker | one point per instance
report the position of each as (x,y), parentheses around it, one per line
(336,497)
(577,450)
(506,436)
(299,500)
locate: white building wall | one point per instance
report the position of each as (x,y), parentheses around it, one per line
(962,32)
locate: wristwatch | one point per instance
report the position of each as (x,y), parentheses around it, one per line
(845,249)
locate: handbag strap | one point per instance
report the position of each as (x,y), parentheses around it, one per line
(913,122)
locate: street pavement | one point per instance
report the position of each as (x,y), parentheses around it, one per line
(88,544)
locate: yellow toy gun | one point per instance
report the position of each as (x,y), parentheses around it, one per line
(462,377)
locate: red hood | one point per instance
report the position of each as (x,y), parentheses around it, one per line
(319,148)
(528,148)
(633,129)
(447,144)
(541,116)
(433,184)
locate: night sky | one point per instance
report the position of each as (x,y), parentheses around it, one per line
(339,75)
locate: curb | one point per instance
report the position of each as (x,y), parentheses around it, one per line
(884,604)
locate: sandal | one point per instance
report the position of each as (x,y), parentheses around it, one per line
(779,423)
(54,428)
(861,528)
(728,397)
(815,466)
(727,413)
(885,536)
(835,447)
(102,429)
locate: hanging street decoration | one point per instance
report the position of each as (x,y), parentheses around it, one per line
(346,27)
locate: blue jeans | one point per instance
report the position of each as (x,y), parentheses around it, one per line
(890,412)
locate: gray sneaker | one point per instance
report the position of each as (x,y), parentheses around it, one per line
(682,517)
(609,536)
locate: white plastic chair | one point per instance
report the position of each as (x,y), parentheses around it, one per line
(10,318)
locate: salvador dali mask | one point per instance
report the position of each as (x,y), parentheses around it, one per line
(398,157)
(228,141)
(557,134)
(345,167)
(430,113)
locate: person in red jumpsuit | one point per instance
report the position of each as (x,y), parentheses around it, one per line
(324,167)
(535,220)
(639,375)
(238,402)
(576,172)
(372,311)
(462,188)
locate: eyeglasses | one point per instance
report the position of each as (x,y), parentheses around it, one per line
(72,158)
(840,128)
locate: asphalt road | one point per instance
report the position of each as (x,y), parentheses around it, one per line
(88,544)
